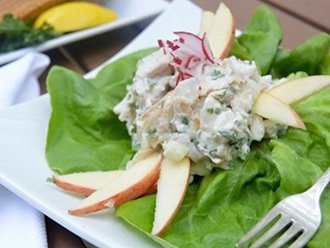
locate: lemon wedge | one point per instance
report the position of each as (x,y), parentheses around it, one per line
(73,16)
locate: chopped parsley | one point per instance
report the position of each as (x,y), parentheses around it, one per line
(161,104)
(216,74)
(215,111)
(234,139)
(220,96)
(185,120)
(230,136)
(132,105)
(133,129)
(196,143)
(213,153)
(151,134)
(151,83)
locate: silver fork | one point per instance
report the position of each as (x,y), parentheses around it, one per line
(300,214)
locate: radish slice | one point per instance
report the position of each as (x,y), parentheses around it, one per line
(207,49)
(188,52)
(190,42)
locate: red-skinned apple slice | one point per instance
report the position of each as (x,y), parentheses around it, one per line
(151,190)
(295,90)
(132,184)
(85,183)
(171,189)
(274,109)
(221,33)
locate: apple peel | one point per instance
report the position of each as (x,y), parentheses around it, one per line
(220,30)
(132,184)
(85,183)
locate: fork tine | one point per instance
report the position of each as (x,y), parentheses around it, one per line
(272,214)
(287,235)
(275,229)
(302,240)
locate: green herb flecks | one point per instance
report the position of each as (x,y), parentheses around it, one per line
(152,83)
(132,105)
(151,134)
(232,137)
(160,105)
(220,96)
(213,153)
(215,111)
(133,129)
(216,74)
(185,120)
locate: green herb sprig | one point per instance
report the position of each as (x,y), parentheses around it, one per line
(16,33)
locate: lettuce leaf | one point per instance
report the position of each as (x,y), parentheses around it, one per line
(260,43)
(84,134)
(308,57)
(260,40)
(325,66)
(223,206)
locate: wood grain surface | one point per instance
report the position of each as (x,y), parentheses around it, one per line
(316,13)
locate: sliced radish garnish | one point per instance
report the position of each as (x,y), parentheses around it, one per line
(207,49)
(190,42)
(188,52)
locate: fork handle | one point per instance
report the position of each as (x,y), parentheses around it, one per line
(321,184)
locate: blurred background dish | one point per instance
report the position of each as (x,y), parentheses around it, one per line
(127,12)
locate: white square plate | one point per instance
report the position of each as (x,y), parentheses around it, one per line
(129,11)
(23,167)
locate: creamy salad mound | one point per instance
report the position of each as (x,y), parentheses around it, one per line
(206,113)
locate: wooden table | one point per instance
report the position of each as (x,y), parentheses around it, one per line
(300,19)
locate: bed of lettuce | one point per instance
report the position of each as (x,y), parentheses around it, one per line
(84,134)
